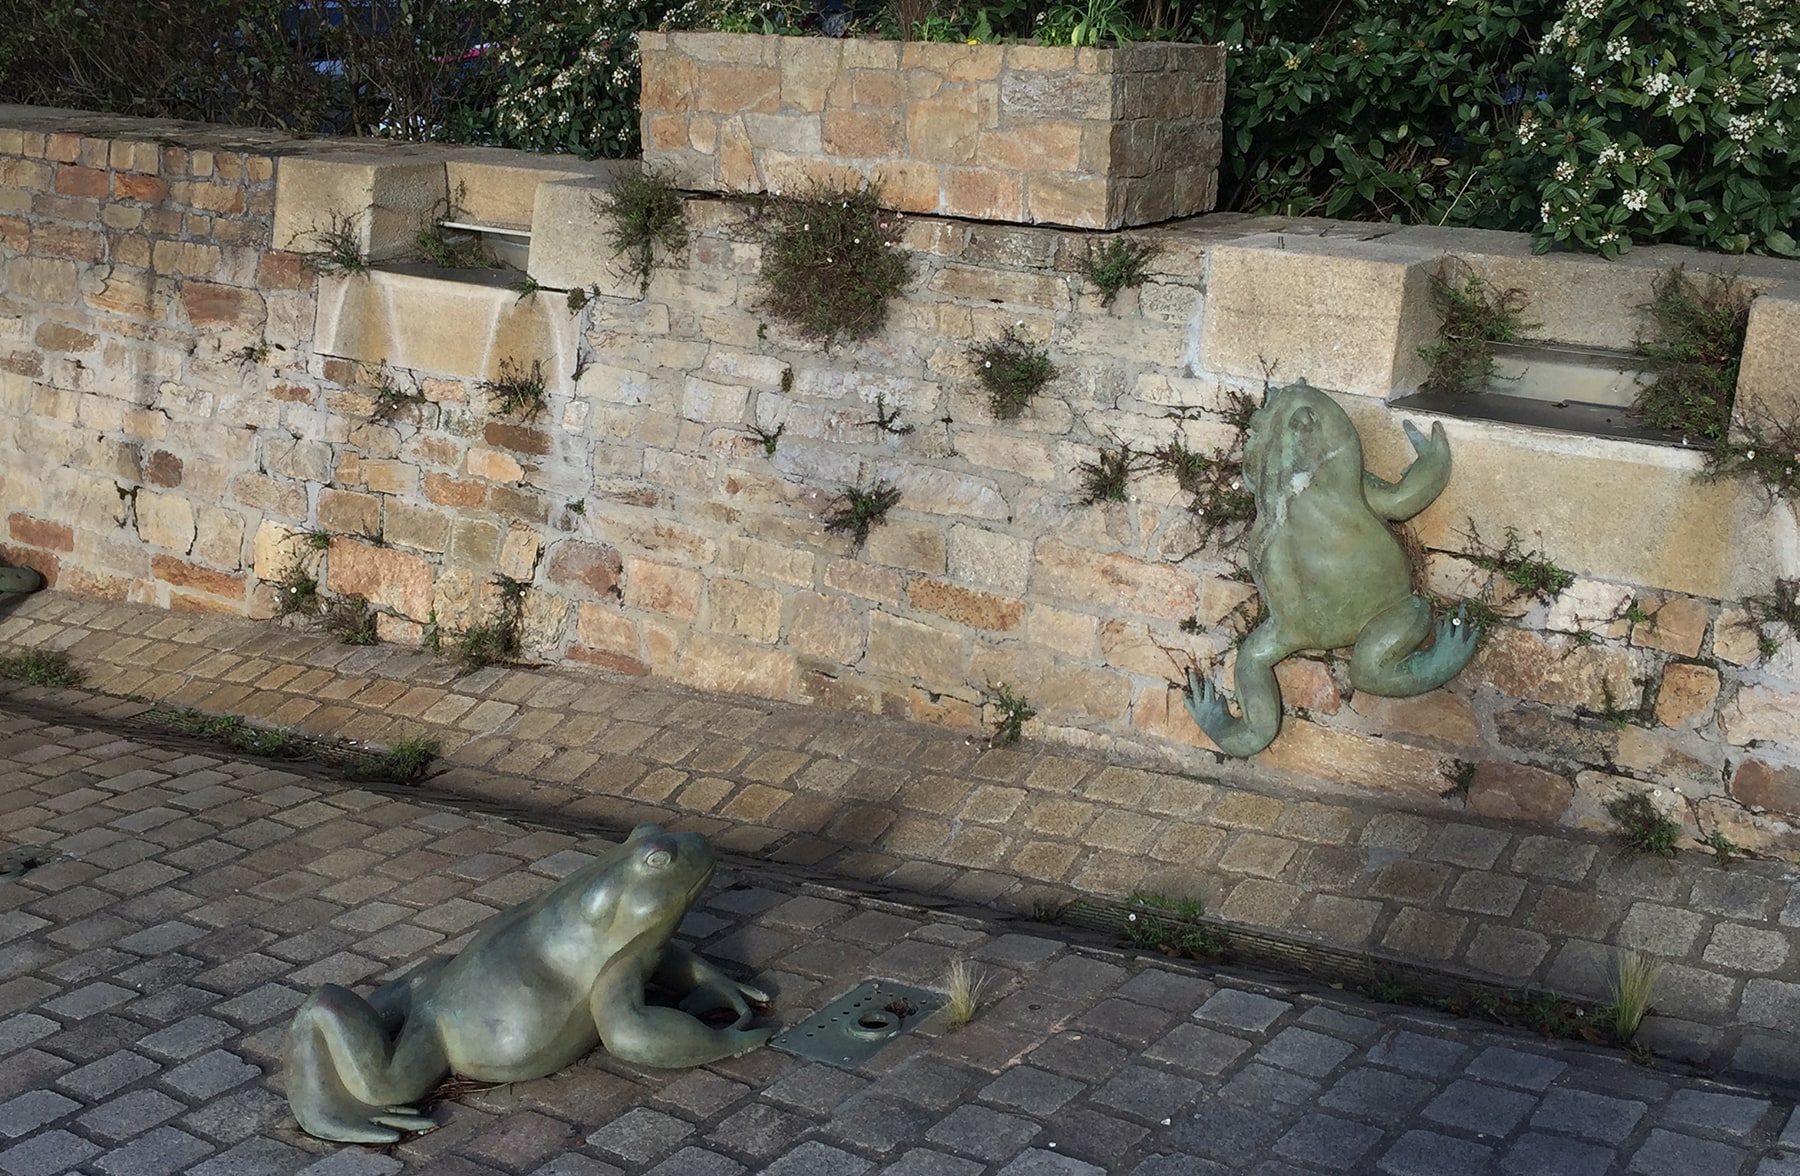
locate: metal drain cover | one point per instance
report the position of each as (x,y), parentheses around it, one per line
(854,1027)
(16,862)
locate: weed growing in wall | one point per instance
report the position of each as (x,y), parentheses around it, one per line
(1118,263)
(862,509)
(449,249)
(1012,370)
(1530,571)
(1767,451)
(769,439)
(498,638)
(1012,712)
(1777,608)
(518,392)
(830,262)
(339,247)
(1222,506)
(297,592)
(349,620)
(1644,828)
(646,212)
(888,419)
(1474,316)
(390,398)
(1108,477)
(1699,341)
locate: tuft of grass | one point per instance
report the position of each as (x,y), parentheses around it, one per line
(1108,476)
(233,732)
(1527,570)
(496,639)
(646,212)
(1633,983)
(962,995)
(1725,850)
(1167,925)
(1461,775)
(454,250)
(1766,450)
(339,248)
(297,592)
(518,392)
(1475,316)
(862,509)
(1015,712)
(390,398)
(1695,351)
(41,668)
(350,620)
(1117,263)
(319,540)
(406,759)
(1012,370)
(1643,827)
(830,262)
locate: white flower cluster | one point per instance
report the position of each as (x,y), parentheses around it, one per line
(1743,127)
(1680,96)
(1635,199)
(1780,85)
(1565,171)
(1618,49)
(1657,84)
(1611,155)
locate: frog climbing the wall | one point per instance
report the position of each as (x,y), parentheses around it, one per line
(1330,571)
(531,993)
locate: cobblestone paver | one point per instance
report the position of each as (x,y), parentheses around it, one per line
(146,981)
(865,798)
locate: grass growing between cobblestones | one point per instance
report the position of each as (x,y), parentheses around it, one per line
(962,995)
(41,668)
(1631,990)
(233,732)
(406,759)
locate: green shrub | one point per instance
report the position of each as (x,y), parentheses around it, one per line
(646,211)
(829,262)
(1012,370)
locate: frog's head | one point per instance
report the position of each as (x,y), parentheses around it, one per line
(651,880)
(1300,433)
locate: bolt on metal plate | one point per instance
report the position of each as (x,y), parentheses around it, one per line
(856,1026)
(20,860)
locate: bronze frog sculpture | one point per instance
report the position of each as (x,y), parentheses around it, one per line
(531,993)
(1330,571)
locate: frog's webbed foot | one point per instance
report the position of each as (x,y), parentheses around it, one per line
(731,995)
(1235,736)
(650,1036)
(346,1078)
(1387,659)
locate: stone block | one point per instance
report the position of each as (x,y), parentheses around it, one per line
(494,186)
(1519,793)
(1768,387)
(1686,694)
(1383,765)
(709,662)
(1675,624)
(1341,313)
(386,578)
(1766,786)
(454,328)
(381,197)
(570,248)
(1554,670)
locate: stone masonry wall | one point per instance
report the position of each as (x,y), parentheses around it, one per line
(1094,138)
(180,401)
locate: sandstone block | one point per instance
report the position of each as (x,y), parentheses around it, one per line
(966,606)
(1676,624)
(165,520)
(826,627)
(1160,711)
(278,547)
(586,569)
(35,532)
(179,573)
(379,200)
(1516,792)
(570,237)
(709,662)
(664,588)
(740,609)
(348,512)
(914,653)
(1768,388)
(1382,765)
(422,528)
(385,577)
(1686,694)
(1554,670)
(1766,786)
(1439,718)
(1109,580)
(1761,713)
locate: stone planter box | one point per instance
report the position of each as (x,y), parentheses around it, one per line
(1092,138)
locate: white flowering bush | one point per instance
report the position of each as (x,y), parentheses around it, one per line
(1664,120)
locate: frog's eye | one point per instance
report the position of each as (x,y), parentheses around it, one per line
(656,859)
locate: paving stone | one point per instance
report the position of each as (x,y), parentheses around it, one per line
(129,1114)
(817,1089)
(1305,1052)
(877,1124)
(210,1074)
(1479,1108)
(1666,1153)
(1177,1164)
(1242,1010)
(641,1135)
(1029,1089)
(925,1162)
(758,1130)
(1715,1110)
(1555,1155)
(1166,990)
(1223,1131)
(1426,1153)
(1328,1142)
(350,1162)
(980,1132)
(1258,1084)
(1196,1048)
(253,1157)
(29,1111)
(46,1154)
(155,1153)
(1417,1053)
(813,1158)
(1515,1067)
(1377,1094)
(1080,1055)
(1589,1115)
(1039,1162)
(697,1161)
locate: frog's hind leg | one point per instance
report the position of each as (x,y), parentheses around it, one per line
(635,1032)
(1387,659)
(348,1079)
(703,987)
(1258,695)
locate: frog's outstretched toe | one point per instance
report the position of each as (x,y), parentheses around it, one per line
(1207,706)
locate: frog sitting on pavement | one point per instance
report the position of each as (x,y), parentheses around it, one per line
(531,993)
(1330,571)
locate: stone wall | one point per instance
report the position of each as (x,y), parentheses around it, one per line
(1094,138)
(181,400)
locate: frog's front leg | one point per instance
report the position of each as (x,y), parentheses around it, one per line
(1422,482)
(1387,659)
(348,1080)
(1259,695)
(703,987)
(635,1032)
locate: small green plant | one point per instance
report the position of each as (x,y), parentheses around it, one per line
(1643,827)
(432,637)
(888,420)
(1695,351)
(863,507)
(390,398)
(251,352)
(1222,507)
(233,732)
(1461,774)
(339,248)
(1117,263)
(646,212)
(1168,925)
(41,668)
(1633,983)
(1780,607)
(318,540)
(1013,713)
(1725,850)
(297,592)
(578,298)
(1012,370)
(1475,316)
(830,262)
(769,438)
(1611,713)
(1108,477)
(579,506)
(450,249)
(498,638)
(525,285)
(350,620)
(518,392)
(1530,571)
(962,995)
(406,759)
(1767,451)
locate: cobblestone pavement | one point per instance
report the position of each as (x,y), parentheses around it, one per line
(146,981)
(922,809)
